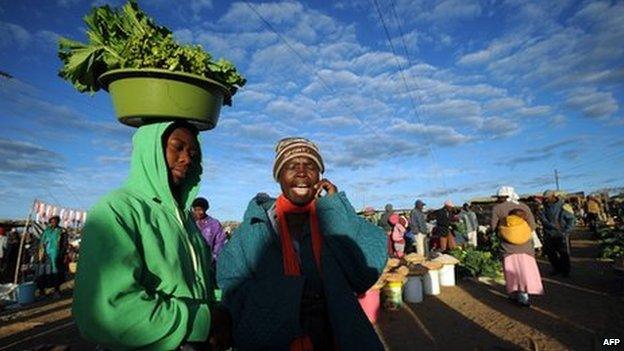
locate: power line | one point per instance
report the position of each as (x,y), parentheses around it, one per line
(593,161)
(404,80)
(324,83)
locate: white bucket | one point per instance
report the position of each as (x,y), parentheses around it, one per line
(432,282)
(447,275)
(420,244)
(413,290)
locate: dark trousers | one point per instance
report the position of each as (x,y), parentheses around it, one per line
(557,250)
(592,222)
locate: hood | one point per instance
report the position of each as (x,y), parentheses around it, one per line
(148,168)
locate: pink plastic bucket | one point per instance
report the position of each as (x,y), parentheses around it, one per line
(370,304)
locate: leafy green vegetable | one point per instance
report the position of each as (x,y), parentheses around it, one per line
(128,38)
(612,243)
(476,263)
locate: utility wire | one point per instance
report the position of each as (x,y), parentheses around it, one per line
(404,80)
(324,83)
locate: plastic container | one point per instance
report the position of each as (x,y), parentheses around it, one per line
(143,95)
(413,292)
(432,282)
(393,295)
(26,293)
(447,275)
(420,244)
(370,303)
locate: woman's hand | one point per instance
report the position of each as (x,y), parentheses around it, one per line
(220,337)
(326,185)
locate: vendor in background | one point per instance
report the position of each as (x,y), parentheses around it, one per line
(384,220)
(49,271)
(384,223)
(209,227)
(471,225)
(558,222)
(399,228)
(444,239)
(594,209)
(370,215)
(418,226)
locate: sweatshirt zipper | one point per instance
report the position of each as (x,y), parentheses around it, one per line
(188,243)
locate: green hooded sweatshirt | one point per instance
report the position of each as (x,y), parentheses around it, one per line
(143,274)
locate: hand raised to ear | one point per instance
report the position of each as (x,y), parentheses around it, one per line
(325,184)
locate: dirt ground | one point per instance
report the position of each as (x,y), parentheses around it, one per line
(576,313)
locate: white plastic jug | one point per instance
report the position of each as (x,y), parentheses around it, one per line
(413,290)
(432,282)
(420,244)
(447,275)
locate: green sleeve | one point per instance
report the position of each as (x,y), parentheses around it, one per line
(359,246)
(263,303)
(111,306)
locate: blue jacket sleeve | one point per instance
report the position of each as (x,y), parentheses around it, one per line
(264,305)
(568,221)
(359,246)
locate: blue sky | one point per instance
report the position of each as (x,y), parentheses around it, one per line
(464,97)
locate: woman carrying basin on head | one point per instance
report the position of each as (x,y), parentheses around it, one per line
(143,274)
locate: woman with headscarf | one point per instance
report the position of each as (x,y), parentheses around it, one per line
(50,256)
(522,276)
(291,272)
(143,278)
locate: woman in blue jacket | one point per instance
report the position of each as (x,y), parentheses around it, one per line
(291,272)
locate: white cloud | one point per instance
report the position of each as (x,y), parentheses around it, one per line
(338,121)
(503,104)
(359,151)
(13,35)
(455,9)
(300,108)
(183,35)
(593,103)
(67,3)
(25,158)
(498,127)
(534,111)
(496,49)
(436,134)
(444,12)
(452,108)
(198,6)
(290,18)
(114,159)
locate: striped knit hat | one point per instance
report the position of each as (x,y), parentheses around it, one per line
(289,148)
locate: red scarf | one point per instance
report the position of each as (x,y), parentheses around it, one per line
(291,262)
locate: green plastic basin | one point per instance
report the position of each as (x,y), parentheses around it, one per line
(147,95)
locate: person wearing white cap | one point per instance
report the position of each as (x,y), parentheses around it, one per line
(442,233)
(519,265)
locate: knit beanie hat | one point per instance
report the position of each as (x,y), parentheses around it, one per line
(289,148)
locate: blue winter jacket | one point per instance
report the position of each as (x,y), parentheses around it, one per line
(265,304)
